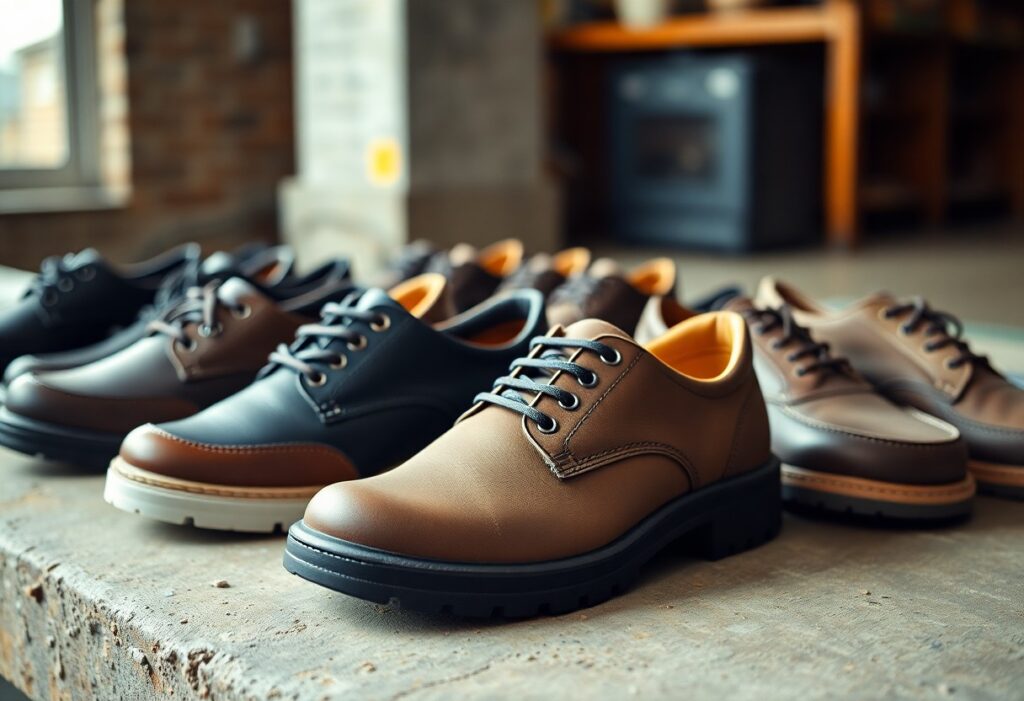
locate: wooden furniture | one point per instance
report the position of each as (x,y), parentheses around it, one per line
(889,153)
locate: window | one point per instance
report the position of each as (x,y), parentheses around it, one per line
(48,102)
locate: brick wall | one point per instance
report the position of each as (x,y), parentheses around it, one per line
(198,128)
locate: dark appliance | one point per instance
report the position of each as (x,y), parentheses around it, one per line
(717,151)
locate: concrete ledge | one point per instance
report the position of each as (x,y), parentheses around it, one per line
(96,603)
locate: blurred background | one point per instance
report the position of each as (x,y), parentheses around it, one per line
(845,144)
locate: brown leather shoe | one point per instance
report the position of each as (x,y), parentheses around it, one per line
(606,292)
(207,347)
(557,486)
(844,447)
(915,356)
(548,272)
(474,275)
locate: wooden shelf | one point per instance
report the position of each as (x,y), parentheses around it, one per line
(770,26)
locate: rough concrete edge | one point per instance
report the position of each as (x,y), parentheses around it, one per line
(59,641)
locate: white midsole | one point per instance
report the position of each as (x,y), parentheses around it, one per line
(262,515)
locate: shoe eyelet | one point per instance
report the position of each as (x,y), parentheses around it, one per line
(614,360)
(65,284)
(550,427)
(86,274)
(319,380)
(382,325)
(49,298)
(570,407)
(904,330)
(951,365)
(188,345)
(800,372)
(340,363)
(242,312)
(358,345)
(208,331)
(590,382)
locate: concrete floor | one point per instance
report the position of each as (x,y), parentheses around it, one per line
(98,603)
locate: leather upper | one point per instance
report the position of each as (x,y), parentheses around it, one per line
(395,394)
(494,488)
(161,378)
(904,365)
(79,299)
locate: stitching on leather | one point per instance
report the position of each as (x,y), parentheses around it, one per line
(872,489)
(248,450)
(831,429)
(284,493)
(593,407)
(629,450)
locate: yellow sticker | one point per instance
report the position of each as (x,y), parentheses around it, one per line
(383,162)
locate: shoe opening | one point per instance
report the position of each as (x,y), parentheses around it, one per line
(502,258)
(571,261)
(706,347)
(418,295)
(655,277)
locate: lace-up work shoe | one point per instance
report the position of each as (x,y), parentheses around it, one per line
(80,299)
(269,266)
(844,447)
(560,483)
(606,292)
(363,389)
(206,347)
(474,275)
(916,356)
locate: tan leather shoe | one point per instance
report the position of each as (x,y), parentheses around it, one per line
(916,356)
(557,486)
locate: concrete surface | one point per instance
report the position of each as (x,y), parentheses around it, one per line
(98,603)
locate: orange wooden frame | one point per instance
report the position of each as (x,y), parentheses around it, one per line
(837,23)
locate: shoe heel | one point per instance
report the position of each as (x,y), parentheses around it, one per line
(750,518)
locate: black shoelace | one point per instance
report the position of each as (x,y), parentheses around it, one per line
(544,367)
(59,274)
(766,320)
(312,354)
(199,306)
(936,324)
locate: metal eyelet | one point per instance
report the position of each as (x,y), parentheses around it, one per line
(65,284)
(85,274)
(319,381)
(592,382)
(340,363)
(242,312)
(188,345)
(614,360)
(800,372)
(208,331)
(358,345)
(49,298)
(951,365)
(549,428)
(383,325)
(904,330)
(570,407)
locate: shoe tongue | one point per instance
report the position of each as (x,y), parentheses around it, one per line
(219,264)
(593,328)
(375,297)
(88,256)
(234,289)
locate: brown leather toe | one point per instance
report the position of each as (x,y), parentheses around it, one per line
(35,397)
(279,465)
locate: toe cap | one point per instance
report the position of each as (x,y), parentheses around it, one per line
(157,450)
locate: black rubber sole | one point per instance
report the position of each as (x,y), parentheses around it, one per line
(1006,491)
(90,449)
(713,522)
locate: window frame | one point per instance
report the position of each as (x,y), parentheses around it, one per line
(82,167)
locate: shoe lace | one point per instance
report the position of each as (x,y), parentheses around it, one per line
(544,367)
(198,306)
(312,354)
(766,320)
(937,324)
(58,274)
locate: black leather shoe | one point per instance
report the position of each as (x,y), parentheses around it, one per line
(258,263)
(79,299)
(361,391)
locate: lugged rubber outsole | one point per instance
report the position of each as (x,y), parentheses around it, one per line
(714,522)
(260,513)
(90,449)
(856,496)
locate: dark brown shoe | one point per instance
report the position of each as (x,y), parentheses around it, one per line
(917,357)
(557,486)
(474,275)
(606,292)
(203,349)
(547,272)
